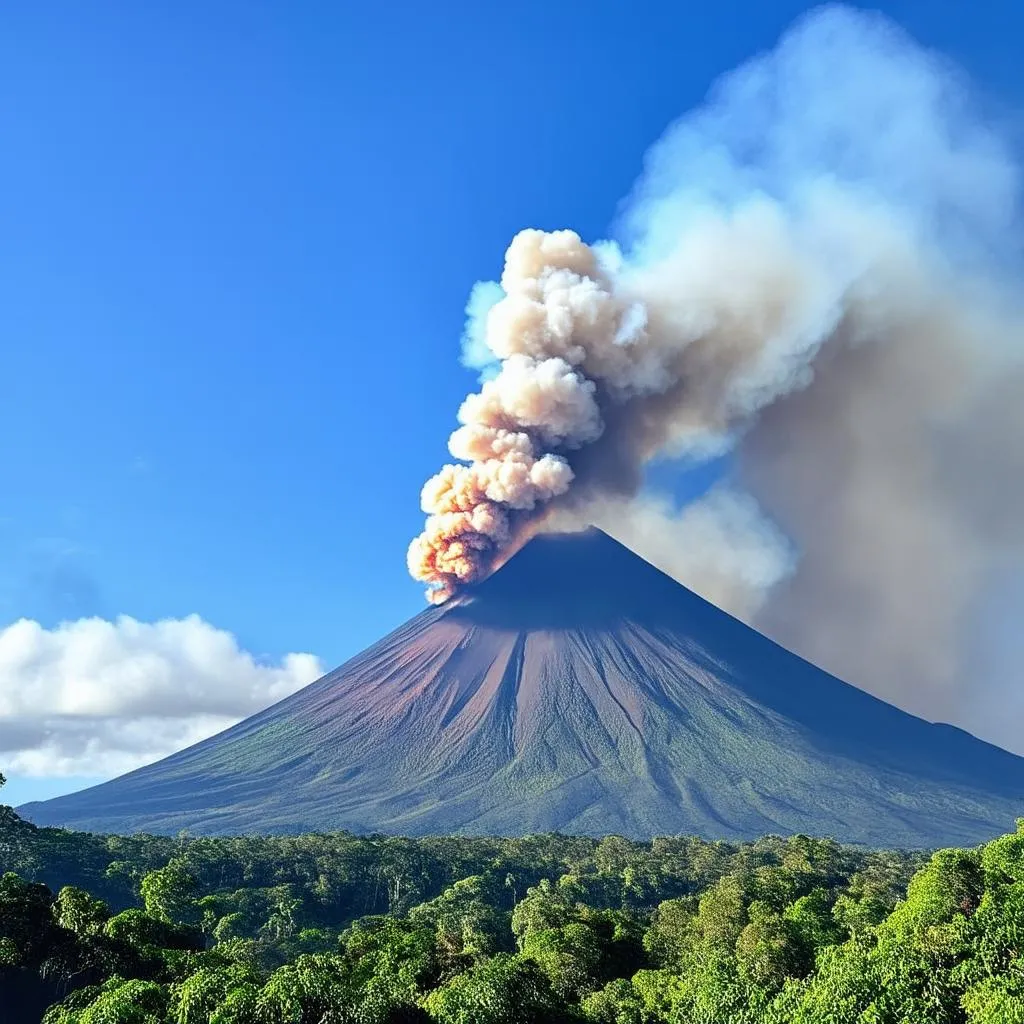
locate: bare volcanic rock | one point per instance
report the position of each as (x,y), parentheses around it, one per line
(577,689)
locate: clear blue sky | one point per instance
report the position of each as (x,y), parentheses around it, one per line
(236,240)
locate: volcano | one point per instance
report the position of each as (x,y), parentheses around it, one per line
(579,690)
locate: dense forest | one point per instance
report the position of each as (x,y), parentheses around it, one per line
(337,928)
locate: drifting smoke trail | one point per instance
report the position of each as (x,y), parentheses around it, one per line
(817,272)
(895,466)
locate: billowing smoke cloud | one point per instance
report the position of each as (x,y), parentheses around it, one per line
(817,271)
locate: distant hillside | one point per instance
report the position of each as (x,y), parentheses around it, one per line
(577,689)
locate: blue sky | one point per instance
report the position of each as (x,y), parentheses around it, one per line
(236,241)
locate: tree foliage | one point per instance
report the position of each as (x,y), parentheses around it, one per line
(339,929)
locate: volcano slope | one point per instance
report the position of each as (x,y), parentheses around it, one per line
(581,690)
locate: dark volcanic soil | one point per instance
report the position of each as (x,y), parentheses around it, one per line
(578,689)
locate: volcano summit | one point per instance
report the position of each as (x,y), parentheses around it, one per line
(577,689)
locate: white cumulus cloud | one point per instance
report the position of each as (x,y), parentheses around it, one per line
(93,697)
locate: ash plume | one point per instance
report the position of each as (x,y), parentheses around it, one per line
(602,365)
(817,273)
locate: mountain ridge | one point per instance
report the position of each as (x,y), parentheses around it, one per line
(577,689)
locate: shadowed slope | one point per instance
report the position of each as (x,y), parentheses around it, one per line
(577,689)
